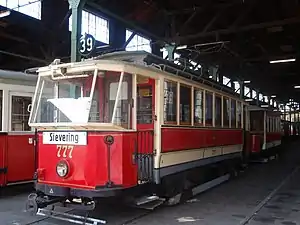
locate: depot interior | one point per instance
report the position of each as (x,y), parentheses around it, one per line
(248,45)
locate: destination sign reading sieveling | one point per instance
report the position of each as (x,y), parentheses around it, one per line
(71,138)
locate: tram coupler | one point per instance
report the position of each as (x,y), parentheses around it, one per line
(35,202)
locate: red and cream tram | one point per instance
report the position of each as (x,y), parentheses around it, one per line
(265,130)
(127,123)
(17,151)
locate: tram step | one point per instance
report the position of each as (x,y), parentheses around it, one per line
(149,202)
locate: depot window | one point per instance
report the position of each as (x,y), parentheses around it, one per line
(137,43)
(218,110)
(170,102)
(19,113)
(94,25)
(198,107)
(208,108)
(31,8)
(185,104)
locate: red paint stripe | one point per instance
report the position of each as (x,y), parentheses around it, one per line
(273,137)
(177,139)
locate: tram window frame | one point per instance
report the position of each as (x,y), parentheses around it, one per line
(226,111)
(174,100)
(233,113)
(24,124)
(207,122)
(239,114)
(188,96)
(198,107)
(218,121)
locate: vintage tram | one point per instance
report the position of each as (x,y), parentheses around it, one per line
(266,132)
(17,150)
(132,124)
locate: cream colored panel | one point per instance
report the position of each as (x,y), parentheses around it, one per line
(172,158)
(212,152)
(179,157)
(232,149)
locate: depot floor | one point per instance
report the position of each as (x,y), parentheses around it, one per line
(266,193)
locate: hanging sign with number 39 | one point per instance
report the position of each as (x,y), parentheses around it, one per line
(87,44)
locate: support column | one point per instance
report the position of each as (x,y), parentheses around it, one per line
(171,51)
(117,35)
(242,90)
(76,6)
(257,99)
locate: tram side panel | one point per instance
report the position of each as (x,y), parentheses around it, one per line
(187,148)
(20,157)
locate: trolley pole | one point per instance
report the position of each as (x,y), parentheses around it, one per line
(76,6)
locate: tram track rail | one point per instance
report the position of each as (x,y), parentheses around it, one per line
(244,221)
(248,218)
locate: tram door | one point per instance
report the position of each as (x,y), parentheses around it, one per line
(145,127)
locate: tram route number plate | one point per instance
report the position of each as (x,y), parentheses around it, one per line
(65,138)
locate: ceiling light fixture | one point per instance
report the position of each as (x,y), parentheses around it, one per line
(297,86)
(273,96)
(247,81)
(283,61)
(265,106)
(4,13)
(181,47)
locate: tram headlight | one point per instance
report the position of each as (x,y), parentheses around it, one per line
(62,169)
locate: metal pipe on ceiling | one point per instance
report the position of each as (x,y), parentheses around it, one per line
(24,57)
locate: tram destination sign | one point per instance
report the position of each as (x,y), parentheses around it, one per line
(86,45)
(65,138)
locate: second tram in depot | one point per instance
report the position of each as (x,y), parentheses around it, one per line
(266,131)
(17,145)
(132,125)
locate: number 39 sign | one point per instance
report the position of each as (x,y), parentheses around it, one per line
(87,44)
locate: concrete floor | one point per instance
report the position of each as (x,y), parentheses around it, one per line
(264,194)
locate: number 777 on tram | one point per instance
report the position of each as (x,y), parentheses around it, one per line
(104,130)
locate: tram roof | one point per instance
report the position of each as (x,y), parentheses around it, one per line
(16,75)
(145,58)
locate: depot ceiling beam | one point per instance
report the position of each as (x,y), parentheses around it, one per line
(213,20)
(239,29)
(187,22)
(243,15)
(44,62)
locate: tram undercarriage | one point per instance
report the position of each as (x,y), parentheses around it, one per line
(172,190)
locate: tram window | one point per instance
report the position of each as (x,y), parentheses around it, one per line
(198,107)
(144,105)
(170,102)
(233,113)
(239,115)
(122,114)
(1,92)
(226,112)
(218,110)
(208,109)
(19,113)
(185,104)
